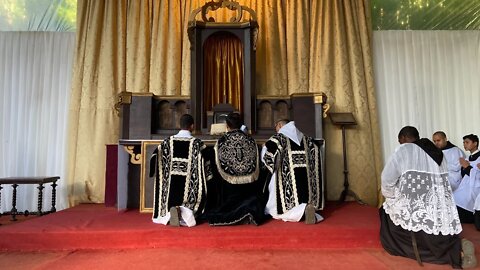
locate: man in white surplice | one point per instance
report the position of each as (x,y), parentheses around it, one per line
(469,188)
(452,154)
(296,186)
(476,208)
(418,219)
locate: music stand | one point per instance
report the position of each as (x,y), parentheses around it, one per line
(343,120)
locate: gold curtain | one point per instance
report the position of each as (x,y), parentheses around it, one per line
(223,71)
(303,46)
(341,66)
(98,76)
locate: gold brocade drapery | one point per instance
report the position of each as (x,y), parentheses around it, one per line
(98,76)
(341,66)
(223,71)
(303,46)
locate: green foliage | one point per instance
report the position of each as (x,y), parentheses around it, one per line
(38,15)
(426,14)
(60,15)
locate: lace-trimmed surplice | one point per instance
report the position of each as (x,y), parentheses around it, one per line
(418,196)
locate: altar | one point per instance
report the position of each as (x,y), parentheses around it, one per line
(222,81)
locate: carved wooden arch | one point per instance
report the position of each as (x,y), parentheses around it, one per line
(236,19)
(199,30)
(212,6)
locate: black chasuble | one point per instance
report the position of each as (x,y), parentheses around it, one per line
(298,168)
(180,176)
(238,194)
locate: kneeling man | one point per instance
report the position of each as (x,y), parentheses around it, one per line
(469,188)
(237,191)
(452,154)
(180,187)
(296,186)
(419,219)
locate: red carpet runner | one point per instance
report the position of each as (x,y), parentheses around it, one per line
(92,226)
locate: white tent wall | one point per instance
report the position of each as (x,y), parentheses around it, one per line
(35,75)
(427,79)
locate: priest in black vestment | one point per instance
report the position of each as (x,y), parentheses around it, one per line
(237,193)
(296,185)
(181,174)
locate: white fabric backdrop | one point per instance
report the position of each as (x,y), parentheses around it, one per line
(35,73)
(427,79)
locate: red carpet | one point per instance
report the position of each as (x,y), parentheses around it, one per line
(92,226)
(96,237)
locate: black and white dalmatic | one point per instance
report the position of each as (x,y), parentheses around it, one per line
(181,175)
(299,174)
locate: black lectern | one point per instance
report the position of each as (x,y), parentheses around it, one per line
(343,120)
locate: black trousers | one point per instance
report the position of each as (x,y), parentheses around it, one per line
(465,215)
(476,217)
(438,249)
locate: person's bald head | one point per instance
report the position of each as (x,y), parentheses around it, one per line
(439,138)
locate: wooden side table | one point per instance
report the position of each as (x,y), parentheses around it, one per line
(40,181)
